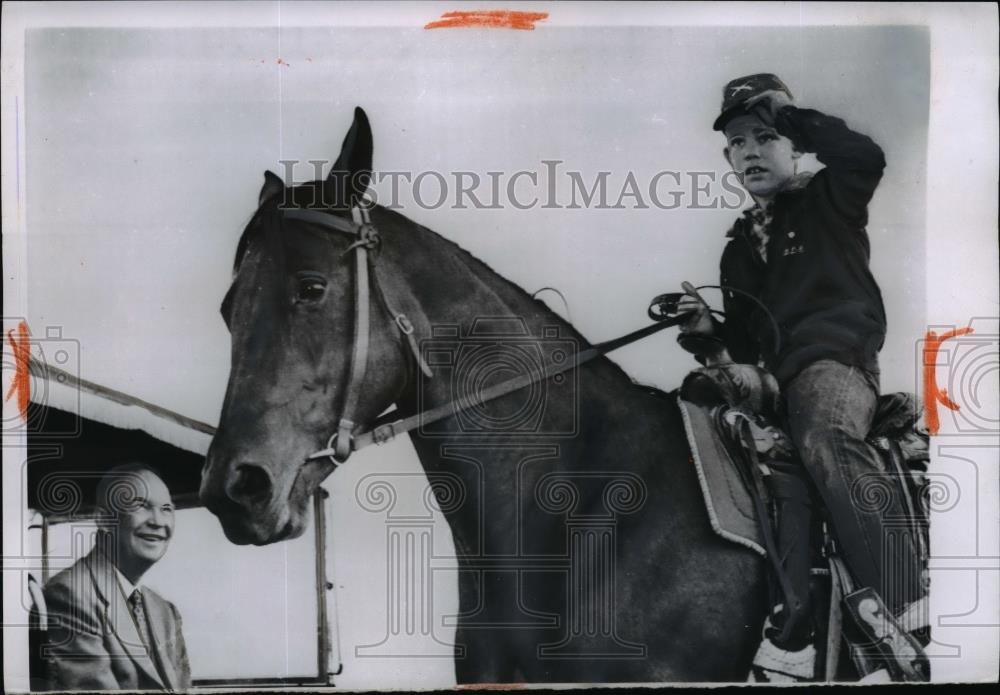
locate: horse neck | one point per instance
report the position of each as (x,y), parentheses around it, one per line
(454,289)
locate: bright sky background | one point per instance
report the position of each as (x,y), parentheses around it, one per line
(145,148)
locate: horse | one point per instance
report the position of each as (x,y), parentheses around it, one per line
(584,548)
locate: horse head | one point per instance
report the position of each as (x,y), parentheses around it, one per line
(293,313)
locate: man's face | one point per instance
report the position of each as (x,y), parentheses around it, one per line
(762,159)
(145,520)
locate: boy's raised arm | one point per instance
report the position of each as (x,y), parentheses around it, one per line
(854,162)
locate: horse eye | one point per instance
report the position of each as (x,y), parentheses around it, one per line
(310,290)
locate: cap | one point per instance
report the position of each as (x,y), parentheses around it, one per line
(737,91)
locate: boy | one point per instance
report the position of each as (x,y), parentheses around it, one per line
(803,251)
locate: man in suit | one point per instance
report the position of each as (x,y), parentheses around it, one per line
(105,630)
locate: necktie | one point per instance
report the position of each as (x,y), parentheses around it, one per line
(135,604)
(139,613)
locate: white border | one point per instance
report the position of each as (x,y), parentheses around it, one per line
(962,182)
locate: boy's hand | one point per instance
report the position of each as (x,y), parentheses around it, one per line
(700,322)
(698,332)
(767,104)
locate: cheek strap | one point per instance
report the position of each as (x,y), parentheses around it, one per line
(341,442)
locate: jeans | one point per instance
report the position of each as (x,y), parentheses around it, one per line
(830,409)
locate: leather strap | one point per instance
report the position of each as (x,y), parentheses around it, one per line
(368,235)
(384,432)
(840,585)
(339,446)
(401,320)
(895,456)
(742,427)
(362,335)
(323,219)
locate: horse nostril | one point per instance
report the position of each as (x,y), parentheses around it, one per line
(249,485)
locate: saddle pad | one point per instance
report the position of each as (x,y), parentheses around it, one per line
(730,507)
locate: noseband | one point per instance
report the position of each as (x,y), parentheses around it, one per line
(367,239)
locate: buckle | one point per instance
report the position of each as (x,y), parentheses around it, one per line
(340,453)
(368,235)
(404,324)
(385,433)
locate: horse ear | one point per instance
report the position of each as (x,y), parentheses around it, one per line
(351,173)
(273,185)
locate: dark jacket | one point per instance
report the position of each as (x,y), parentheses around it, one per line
(816,282)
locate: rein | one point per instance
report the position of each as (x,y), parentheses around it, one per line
(383,433)
(344,440)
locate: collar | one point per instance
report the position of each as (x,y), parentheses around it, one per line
(795,183)
(128,588)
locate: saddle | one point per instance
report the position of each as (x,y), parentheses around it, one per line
(758,495)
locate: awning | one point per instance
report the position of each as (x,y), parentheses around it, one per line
(77,430)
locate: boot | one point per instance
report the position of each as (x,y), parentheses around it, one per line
(792,624)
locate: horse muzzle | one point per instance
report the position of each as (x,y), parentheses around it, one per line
(256,505)
(249,503)
(242,531)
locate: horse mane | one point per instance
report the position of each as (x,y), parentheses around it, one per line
(246,236)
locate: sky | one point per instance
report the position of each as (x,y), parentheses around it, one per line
(145,151)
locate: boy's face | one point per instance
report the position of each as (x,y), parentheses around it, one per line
(762,159)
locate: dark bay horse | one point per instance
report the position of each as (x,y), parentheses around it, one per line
(584,548)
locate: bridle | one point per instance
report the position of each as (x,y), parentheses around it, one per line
(367,241)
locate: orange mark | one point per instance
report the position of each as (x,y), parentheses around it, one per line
(492,19)
(932,394)
(21,384)
(281,61)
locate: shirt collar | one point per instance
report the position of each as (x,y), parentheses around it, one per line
(128,588)
(795,183)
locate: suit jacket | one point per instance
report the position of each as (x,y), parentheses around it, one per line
(92,641)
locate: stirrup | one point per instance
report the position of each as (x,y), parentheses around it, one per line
(793,632)
(773,664)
